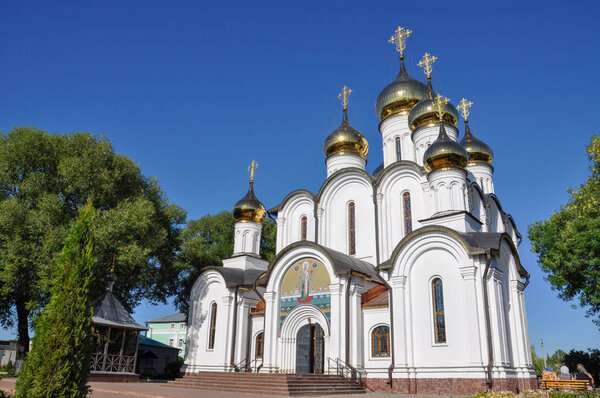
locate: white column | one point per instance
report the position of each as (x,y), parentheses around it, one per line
(228,311)
(322,239)
(336,290)
(270,336)
(280,244)
(356,326)
(472,326)
(399,334)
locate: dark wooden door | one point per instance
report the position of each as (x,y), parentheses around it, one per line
(304,358)
(319,352)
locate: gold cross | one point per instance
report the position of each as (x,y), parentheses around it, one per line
(251,169)
(439,103)
(346,91)
(426,63)
(399,39)
(463,107)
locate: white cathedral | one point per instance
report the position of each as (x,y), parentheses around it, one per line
(409,276)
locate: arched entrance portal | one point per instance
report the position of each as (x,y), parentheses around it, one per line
(310,349)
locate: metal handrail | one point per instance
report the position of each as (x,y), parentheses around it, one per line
(348,372)
(238,367)
(253,365)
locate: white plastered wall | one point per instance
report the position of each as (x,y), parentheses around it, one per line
(372,318)
(288,220)
(333,215)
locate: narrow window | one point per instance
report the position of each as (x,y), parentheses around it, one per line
(380,342)
(171,342)
(258,347)
(303,227)
(438,311)
(398,150)
(213,326)
(351,229)
(407,213)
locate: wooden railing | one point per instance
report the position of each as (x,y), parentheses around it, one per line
(112,363)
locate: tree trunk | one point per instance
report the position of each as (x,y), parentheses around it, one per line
(23,327)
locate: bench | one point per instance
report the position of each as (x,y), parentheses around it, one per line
(565,384)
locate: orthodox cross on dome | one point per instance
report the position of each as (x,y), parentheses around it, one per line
(251,169)
(399,39)
(463,107)
(439,103)
(346,91)
(426,63)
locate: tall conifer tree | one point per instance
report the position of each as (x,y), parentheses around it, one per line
(59,362)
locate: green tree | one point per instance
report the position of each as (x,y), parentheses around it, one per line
(537,362)
(208,240)
(590,360)
(44,180)
(568,244)
(59,363)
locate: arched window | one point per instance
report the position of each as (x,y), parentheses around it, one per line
(398,150)
(258,346)
(407,213)
(213,326)
(303,227)
(439,319)
(351,229)
(380,342)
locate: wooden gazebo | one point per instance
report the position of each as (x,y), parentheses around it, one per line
(116,338)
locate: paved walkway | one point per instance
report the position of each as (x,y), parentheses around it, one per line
(155,390)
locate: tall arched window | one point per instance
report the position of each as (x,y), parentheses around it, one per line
(380,342)
(407,213)
(258,346)
(351,229)
(303,227)
(213,326)
(439,319)
(398,149)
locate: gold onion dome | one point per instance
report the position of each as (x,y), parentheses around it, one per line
(346,139)
(424,113)
(479,151)
(444,153)
(249,208)
(400,95)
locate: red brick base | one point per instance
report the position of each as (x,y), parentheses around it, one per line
(448,386)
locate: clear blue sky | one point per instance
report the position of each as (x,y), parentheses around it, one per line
(193,91)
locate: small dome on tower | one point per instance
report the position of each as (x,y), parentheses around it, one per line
(444,153)
(424,114)
(346,139)
(249,208)
(400,95)
(479,151)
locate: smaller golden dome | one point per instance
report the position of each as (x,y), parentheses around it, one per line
(400,95)
(479,151)
(249,208)
(444,153)
(345,139)
(424,114)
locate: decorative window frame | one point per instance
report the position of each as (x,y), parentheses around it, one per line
(432,311)
(210,312)
(254,341)
(348,245)
(370,340)
(303,216)
(403,212)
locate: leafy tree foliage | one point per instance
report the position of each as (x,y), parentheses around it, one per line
(568,244)
(44,180)
(208,240)
(59,363)
(590,360)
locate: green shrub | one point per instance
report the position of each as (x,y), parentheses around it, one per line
(9,368)
(59,363)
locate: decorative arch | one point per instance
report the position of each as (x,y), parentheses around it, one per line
(299,317)
(424,239)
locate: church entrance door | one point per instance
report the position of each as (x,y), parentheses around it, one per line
(310,349)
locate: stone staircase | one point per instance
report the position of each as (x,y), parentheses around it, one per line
(267,383)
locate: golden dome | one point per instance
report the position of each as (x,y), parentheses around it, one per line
(249,208)
(444,153)
(424,114)
(479,151)
(345,139)
(400,95)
